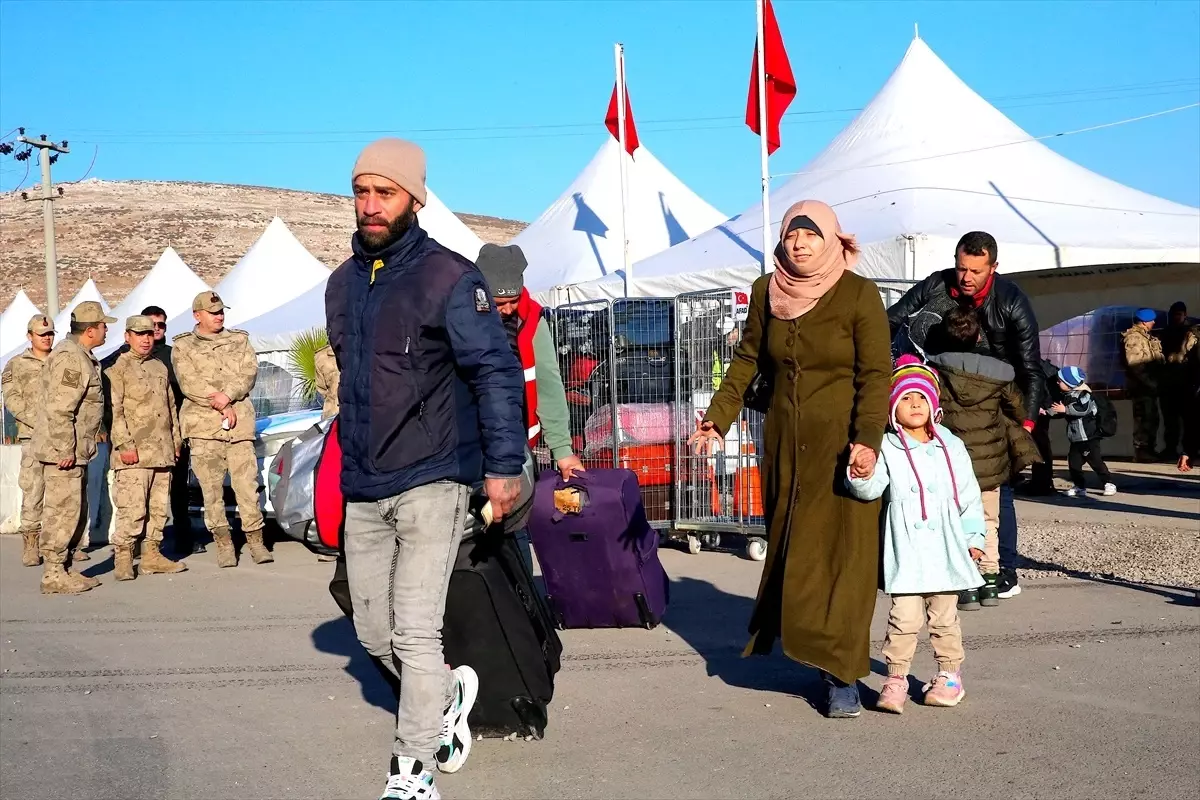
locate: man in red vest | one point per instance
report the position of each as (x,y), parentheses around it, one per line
(546,413)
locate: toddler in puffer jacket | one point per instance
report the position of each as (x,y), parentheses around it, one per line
(1083,431)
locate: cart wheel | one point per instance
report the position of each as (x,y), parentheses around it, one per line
(756,549)
(711,540)
(693,543)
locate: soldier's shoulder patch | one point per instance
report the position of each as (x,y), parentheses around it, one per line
(483,303)
(71,378)
(6,376)
(179,337)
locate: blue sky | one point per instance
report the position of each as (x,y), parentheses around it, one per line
(508,98)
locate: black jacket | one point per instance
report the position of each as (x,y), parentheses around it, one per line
(1010,330)
(430,388)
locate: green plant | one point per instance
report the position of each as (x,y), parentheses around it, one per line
(302,361)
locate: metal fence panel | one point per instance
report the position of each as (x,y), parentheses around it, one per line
(719,491)
(615,359)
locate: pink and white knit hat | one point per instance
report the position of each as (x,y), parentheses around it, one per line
(912,375)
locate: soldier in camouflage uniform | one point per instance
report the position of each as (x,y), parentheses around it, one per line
(216,368)
(327,376)
(1176,392)
(1143,364)
(21,383)
(64,440)
(145,443)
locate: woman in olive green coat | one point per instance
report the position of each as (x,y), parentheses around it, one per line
(820,334)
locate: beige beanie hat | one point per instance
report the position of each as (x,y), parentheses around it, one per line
(396,160)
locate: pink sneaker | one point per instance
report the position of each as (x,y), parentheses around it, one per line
(945,690)
(894,694)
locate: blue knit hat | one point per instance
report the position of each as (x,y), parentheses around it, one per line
(1072,376)
(1146,315)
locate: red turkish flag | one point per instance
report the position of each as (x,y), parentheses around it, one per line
(781,86)
(610,120)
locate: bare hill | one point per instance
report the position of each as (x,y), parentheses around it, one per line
(114,231)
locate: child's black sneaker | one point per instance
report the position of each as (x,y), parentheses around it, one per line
(989,593)
(968,600)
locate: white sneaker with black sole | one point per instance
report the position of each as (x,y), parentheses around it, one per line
(1076,491)
(409,780)
(455,739)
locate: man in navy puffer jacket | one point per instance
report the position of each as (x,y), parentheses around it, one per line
(430,404)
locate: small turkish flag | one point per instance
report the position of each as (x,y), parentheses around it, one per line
(611,119)
(781,86)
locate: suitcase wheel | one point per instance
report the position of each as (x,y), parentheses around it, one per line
(532,715)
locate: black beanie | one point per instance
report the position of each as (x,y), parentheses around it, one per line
(503,267)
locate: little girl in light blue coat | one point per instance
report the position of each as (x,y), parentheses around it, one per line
(933,535)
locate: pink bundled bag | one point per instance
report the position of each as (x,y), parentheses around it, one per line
(639,423)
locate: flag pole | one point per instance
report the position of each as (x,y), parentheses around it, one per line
(768,249)
(619,62)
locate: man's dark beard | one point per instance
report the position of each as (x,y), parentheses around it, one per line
(396,229)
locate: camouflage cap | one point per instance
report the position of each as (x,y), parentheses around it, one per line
(208,301)
(139,323)
(90,312)
(39,324)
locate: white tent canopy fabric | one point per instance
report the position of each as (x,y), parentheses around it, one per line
(14,324)
(447,229)
(89,291)
(277,329)
(171,285)
(926,161)
(275,270)
(578,238)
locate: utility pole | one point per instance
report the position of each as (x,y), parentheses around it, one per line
(48,152)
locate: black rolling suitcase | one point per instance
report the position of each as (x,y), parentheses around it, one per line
(498,623)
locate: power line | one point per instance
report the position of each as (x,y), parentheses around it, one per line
(1088,129)
(1165,87)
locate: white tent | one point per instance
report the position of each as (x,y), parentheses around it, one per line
(449,231)
(277,329)
(171,285)
(578,238)
(275,270)
(89,291)
(926,161)
(14,324)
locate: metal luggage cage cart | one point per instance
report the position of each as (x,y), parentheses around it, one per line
(617,368)
(719,491)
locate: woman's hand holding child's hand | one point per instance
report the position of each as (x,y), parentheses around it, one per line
(862,462)
(976,554)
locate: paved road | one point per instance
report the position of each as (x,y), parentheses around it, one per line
(247,684)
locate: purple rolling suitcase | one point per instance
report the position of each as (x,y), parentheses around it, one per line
(600,560)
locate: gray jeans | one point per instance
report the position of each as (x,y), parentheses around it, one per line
(399,555)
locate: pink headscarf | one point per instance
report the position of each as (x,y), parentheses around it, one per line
(796,288)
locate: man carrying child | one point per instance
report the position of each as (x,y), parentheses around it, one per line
(983,406)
